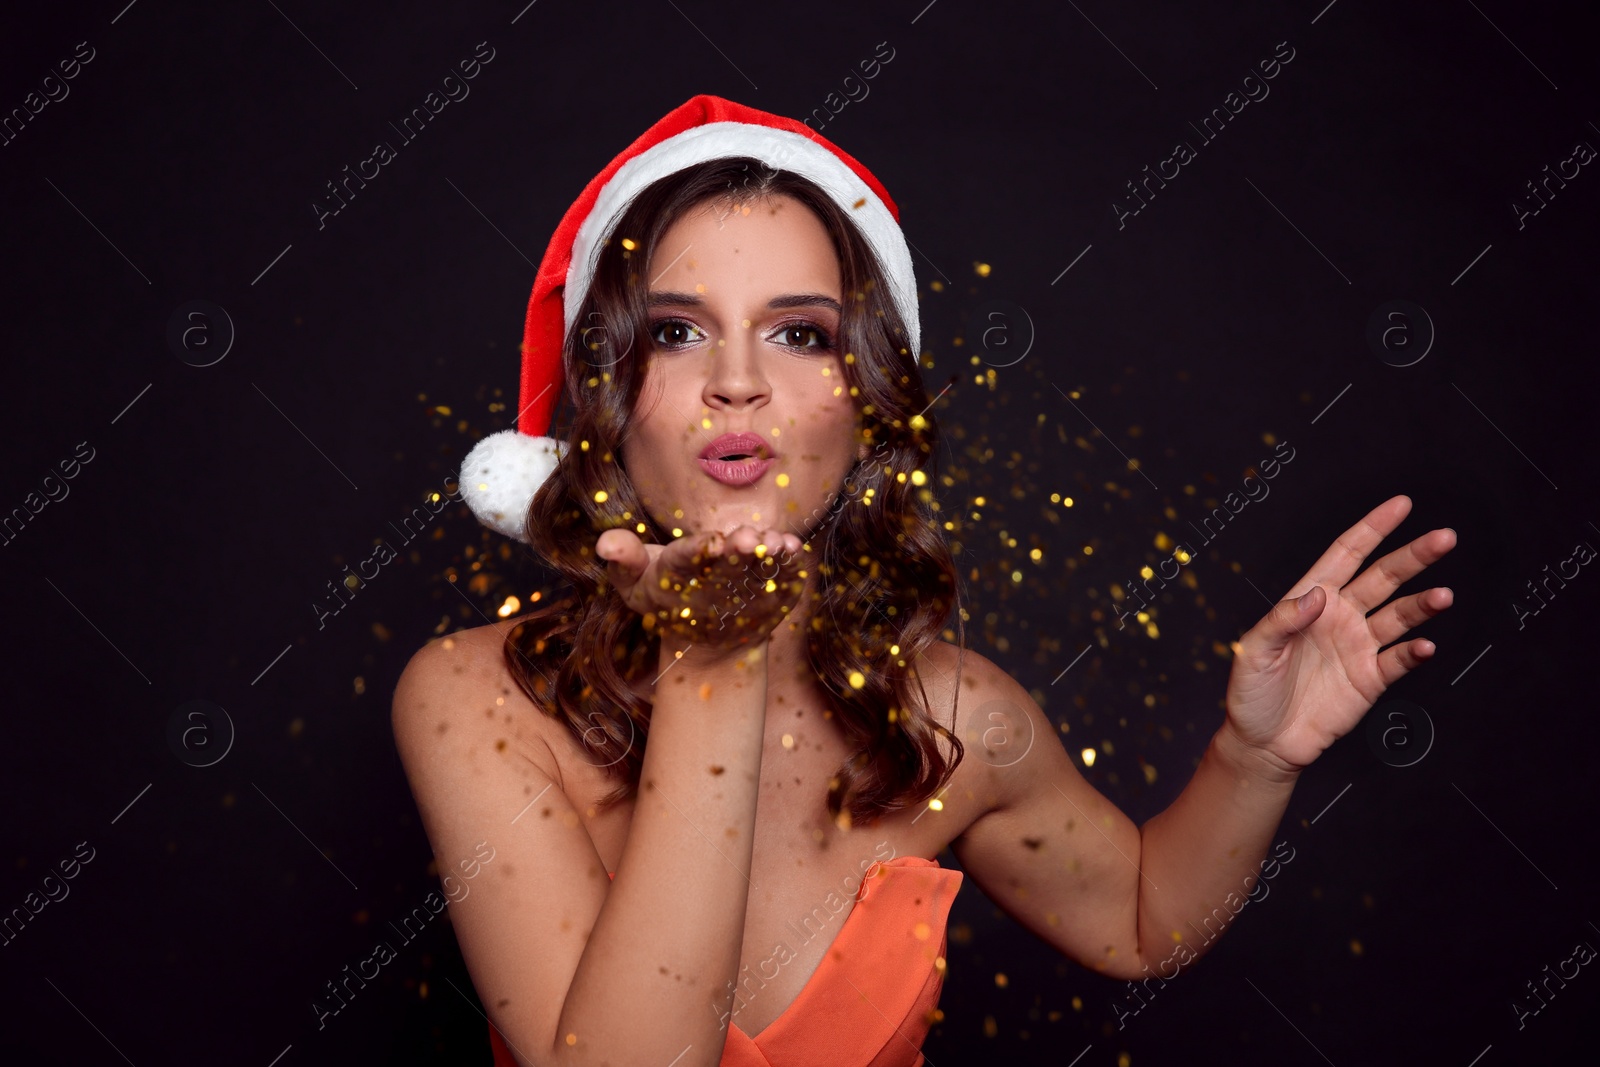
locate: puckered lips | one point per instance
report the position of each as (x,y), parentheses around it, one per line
(737,459)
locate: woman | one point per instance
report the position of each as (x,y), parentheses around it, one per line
(715,779)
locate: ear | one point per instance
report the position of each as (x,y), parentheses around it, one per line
(862,451)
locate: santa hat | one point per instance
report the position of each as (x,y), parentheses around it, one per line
(504,470)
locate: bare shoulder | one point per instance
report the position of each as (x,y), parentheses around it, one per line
(459,682)
(997,719)
(959,682)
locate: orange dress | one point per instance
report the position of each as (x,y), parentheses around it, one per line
(870,1001)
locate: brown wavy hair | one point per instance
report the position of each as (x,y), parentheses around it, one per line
(885,577)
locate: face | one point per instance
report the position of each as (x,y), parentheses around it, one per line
(744,321)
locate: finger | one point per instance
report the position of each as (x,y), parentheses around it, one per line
(1378,582)
(625,556)
(1338,564)
(744,540)
(1391,623)
(693,554)
(1395,662)
(1286,619)
(771,551)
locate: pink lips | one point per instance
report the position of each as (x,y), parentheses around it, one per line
(737,472)
(743,472)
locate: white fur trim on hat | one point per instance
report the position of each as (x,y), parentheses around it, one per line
(781,150)
(502,473)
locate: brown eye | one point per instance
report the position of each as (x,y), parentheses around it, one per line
(796,334)
(678,333)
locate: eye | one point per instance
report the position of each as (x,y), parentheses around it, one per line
(678,327)
(789,331)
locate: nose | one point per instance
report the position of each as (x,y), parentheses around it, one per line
(735,378)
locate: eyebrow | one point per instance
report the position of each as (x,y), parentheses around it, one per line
(777,303)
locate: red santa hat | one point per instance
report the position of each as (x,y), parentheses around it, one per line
(503,471)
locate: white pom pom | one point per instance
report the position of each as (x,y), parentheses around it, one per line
(502,473)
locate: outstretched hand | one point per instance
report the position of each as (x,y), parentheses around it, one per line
(719,591)
(1307,672)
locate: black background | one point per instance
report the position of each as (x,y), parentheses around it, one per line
(1230,312)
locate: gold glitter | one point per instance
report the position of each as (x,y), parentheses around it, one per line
(640,527)
(935,804)
(599,496)
(584,445)
(783,481)
(627,242)
(1001,980)
(1088,757)
(857,679)
(982,269)
(706,423)
(788,740)
(676,532)
(509,608)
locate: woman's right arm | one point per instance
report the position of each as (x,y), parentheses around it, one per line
(574,969)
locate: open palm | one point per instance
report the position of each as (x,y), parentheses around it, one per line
(1309,670)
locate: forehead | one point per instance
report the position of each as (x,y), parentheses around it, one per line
(749,243)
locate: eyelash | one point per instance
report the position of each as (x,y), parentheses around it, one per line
(824,341)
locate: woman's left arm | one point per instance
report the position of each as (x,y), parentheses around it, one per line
(1060,858)
(1302,678)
